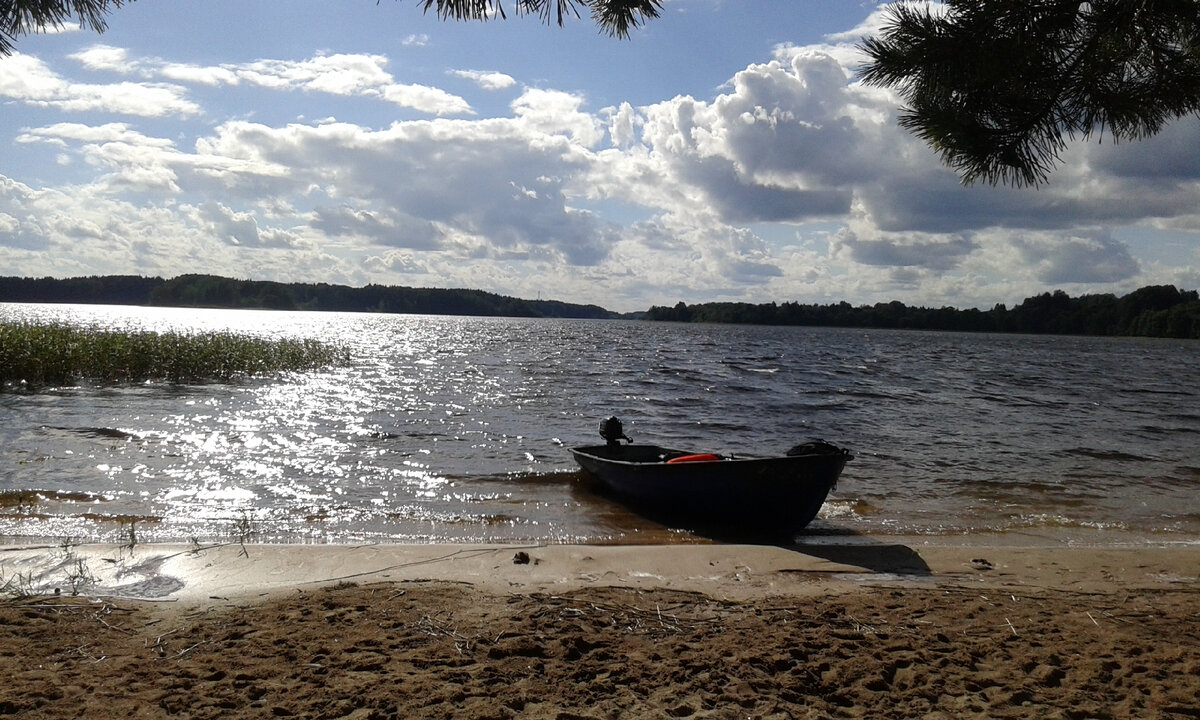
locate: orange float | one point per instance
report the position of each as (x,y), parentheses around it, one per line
(698,457)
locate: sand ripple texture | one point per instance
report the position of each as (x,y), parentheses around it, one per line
(437,650)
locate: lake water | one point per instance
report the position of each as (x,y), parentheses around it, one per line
(458,429)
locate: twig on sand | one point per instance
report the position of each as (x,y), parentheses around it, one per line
(632,618)
(82,651)
(103,622)
(434,628)
(187,650)
(158,643)
(860,626)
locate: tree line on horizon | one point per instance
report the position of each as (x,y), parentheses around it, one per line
(212,291)
(1151,311)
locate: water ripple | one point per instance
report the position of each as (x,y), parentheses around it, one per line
(458,429)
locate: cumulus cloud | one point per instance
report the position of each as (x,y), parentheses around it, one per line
(1094,257)
(131,159)
(786,143)
(377,227)
(346,74)
(28,80)
(1176,157)
(241,228)
(792,181)
(621,127)
(60,133)
(903,249)
(434,101)
(443,183)
(350,74)
(488,80)
(552,112)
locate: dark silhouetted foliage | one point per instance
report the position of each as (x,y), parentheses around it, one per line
(221,292)
(614,17)
(997,86)
(21,17)
(1153,311)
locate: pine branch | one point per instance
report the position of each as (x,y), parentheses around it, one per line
(22,17)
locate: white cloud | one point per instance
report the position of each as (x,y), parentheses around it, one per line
(344,74)
(786,143)
(241,228)
(339,74)
(426,99)
(384,227)
(29,80)
(792,182)
(138,162)
(106,133)
(103,57)
(621,125)
(488,80)
(551,112)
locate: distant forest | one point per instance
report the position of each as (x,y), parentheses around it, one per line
(1153,311)
(219,292)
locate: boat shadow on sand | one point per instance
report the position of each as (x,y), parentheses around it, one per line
(871,554)
(833,544)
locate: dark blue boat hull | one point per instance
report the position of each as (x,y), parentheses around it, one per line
(761,495)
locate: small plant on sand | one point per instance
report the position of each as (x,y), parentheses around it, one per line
(17,587)
(131,538)
(243,530)
(80,577)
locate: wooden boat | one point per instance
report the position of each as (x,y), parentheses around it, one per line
(772,495)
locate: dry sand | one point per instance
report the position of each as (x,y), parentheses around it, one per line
(874,628)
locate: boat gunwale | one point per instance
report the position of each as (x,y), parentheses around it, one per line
(670,452)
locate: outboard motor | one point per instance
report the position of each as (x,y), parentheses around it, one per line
(612,431)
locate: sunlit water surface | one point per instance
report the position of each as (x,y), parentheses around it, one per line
(458,429)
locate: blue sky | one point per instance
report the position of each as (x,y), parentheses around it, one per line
(724,152)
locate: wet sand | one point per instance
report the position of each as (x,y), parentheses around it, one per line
(874,628)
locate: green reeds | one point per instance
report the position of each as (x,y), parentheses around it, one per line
(37,355)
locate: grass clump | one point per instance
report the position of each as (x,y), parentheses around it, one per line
(35,355)
(17,587)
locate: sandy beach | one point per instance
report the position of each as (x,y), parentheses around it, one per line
(886,627)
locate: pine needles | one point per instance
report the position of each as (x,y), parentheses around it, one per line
(998,88)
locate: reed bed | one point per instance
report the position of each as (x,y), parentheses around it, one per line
(37,355)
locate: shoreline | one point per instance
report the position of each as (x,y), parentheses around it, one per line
(190,574)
